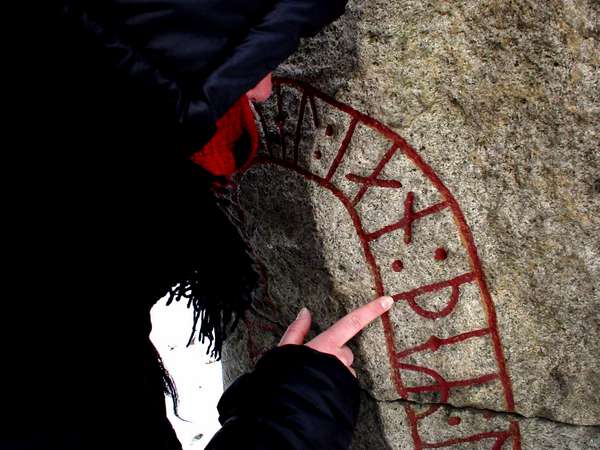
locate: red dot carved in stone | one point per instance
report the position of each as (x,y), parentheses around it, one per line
(454,421)
(397,266)
(440,254)
(329,130)
(317,154)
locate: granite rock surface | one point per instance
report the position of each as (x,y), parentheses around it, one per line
(445,153)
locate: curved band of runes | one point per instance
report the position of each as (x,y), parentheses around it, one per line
(289,159)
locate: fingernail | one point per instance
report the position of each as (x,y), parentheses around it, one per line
(386,302)
(302,314)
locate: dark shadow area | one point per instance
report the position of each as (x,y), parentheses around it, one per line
(276,214)
(369,433)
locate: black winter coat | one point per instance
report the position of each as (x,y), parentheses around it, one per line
(103,213)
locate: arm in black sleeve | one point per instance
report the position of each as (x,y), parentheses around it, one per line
(191,111)
(267,45)
(196,59)
(296,399)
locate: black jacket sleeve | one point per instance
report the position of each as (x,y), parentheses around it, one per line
(266,45)
(197,58)
(296,399)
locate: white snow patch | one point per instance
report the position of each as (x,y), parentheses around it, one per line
(199,379)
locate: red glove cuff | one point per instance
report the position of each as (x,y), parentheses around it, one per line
(219,155)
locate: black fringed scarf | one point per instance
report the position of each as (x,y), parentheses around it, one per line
(219,290)
(214,271)
(217,313)
(172,237)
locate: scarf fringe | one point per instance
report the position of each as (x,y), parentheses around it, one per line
(214,317)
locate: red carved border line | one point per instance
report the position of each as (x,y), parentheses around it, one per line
(442,386)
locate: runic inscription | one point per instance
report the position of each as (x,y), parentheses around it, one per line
(448,289)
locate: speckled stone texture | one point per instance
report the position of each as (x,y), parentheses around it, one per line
(484,223)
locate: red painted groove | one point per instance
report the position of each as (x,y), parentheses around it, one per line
(368,182)
(413,419)
(299,126)
(342,150)
(441,386)
(488,415)
(484,379)
(434,342)
(515,434)
(372,180)
(263,124)
(280,117)
(409,216)
(447,310)
(500,436)
(313,108)
(254,352)
(454,283)
(388,331)
(500,442)
(431,410)
(406,223)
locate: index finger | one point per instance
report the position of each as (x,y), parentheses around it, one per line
(351,324)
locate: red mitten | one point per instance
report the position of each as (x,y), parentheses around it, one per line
(237,127)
